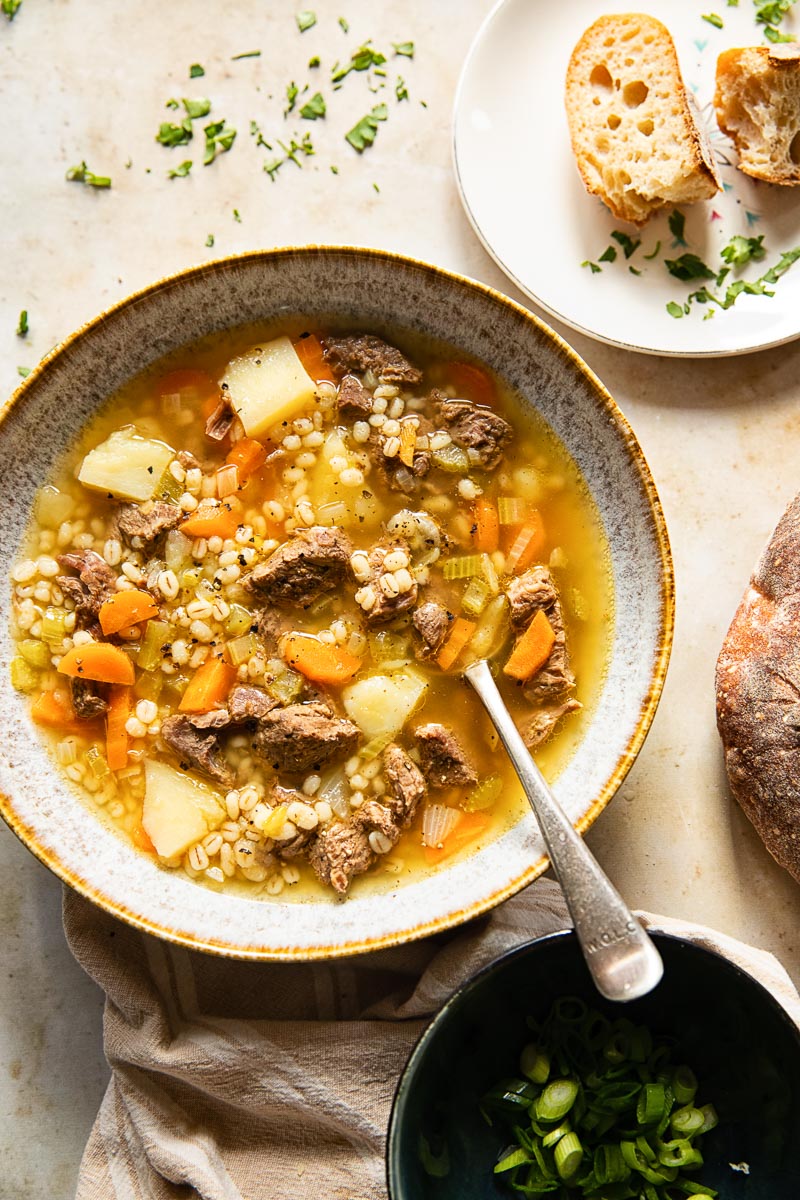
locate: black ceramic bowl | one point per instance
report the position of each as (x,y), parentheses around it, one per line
(741,1044)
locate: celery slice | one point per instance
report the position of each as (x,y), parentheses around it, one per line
(157,636)
(35,652)
(54,625)
(23,676)
(484,794)
(389,649)
(463,567)
(476,597)
(512,510)
(242,649)
(240,620)
(451,458)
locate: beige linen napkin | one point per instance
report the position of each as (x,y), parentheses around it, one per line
(250,1081)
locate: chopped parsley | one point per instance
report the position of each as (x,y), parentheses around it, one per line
(313,62)
(22,326)
(400,89)
(713,19)
(182,171)
(175,135)
(334,170)
(314,108)
(654,252)
(628,244)
(405,49)
(364,131)
(770,15)
(210,240)
(196,71)
(593,267)
(344,25)
(292,92)
(172,104)
(82,174)
(305,20)
(219,138)
(677,223)
(360,60)
(11,8)
(246,54)
(674,310)
(237,216)
(197,108)
(739,287)
(608,255)
(290,154)
(742,250)
(375,187)
(634,271)
(23,372)
(689,266)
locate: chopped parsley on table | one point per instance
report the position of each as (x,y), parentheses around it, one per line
(290,154)
(196,71)
(364,131)
(314,108)
(246,54)
(182,171)
(23,372)
(713,19)
(628,244)
(219,138)
(22,325)
(344,25)
(82,174)
(237,216)
(400,89)
(292,92)
(305,20)
(405,49)
(360,60)
(10,8)
(210,240)
(770,15)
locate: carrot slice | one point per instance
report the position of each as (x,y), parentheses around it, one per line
(211,520)
(208,687)
(527,545)
(54,710)
(532,650)
(194,387)
(142,841)
(119,709)
(126,608)
(99,661)
(247,456)
(470,827)
(487,526)
(319,661)
(472,383)
(460,632)
(309,350)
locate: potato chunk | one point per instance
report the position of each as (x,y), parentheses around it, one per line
(126,465)
(381,704)
(178,809)
(268,385)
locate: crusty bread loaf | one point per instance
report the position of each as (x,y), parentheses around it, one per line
(758,695)
(758,105)
(631,120)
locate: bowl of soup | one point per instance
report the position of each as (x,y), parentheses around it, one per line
(257,519)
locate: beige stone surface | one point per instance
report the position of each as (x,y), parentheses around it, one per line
(80,79)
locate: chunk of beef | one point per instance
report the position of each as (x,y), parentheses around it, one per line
(196,750)
(218,718)
(272,625)
(96,582)
(141,525)
(406,785)
(314,561)
(432,622)
(442,759)
(541,725)
(475,428)
(354,399)
(393,472)
(394,592)
(365,352)
(188,460)
(304,736)
(219,423)
(373,816)
(531,592)
(88,699)
(247,703)
(340,851)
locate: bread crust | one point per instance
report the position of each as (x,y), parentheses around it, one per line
(600,116)
(758,695)
(757,102)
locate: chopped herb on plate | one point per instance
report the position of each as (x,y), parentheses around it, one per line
(608,255)
(654,252)
(742,250)
(210,240)
(689,266)
(175,135)
(305,20)
(292,92)
(628,244)
(713,19)
(11,8)
(22,325)
(400,89)
(677,223)
(592,266)
(314,108)
(360,60)
(405,49)
(344,25)
(82,174)
(182,171)
(219,138)
(197,108)
(23,372)
(196,71)
(313,62)
(364,131)
(237,216)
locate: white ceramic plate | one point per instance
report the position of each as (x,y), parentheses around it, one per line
(522,192)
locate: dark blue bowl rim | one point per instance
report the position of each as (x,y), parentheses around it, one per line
(474,982)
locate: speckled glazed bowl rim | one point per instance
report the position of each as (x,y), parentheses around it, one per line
(275,949)
(537,949)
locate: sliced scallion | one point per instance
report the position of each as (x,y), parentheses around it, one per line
(568,1155)
(556,1100)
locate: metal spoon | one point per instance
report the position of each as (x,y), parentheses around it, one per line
(622,960)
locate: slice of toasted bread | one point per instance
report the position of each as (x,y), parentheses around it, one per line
(634,133)
(758,106)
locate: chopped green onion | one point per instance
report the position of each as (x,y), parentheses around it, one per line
(512,510)
(684,1085)
(679,1153)
(710,1118)
(652,1104)
(687,1122)
(516,1158)
(555,1135)
(483,796)
(533,1061)
(568,1155)
(556,1100)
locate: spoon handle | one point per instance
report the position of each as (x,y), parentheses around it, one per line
(621,958)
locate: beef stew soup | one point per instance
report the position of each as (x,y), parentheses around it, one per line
(247,595)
